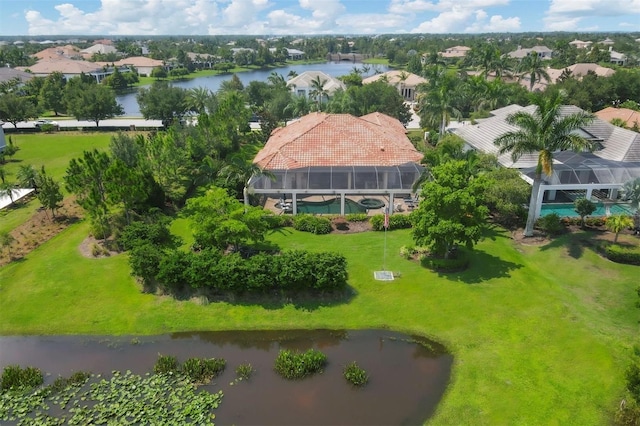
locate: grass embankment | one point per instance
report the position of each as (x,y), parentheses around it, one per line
(539,334)
(52,150)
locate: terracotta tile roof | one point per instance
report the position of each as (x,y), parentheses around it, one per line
(139,61)
(65,66)
(627,115)
(324,140)
(58,52)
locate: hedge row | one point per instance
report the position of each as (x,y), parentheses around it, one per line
(630,256)
(293,270)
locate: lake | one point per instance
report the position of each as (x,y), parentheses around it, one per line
(408,374)
(334,69)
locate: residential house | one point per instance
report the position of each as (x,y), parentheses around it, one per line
(455,52)
(617,57)
(607,42)
(337,155)
(59,52)
(579,44)
(598,174)
(7,74)
(292,54)
(302,85)
(69,68)
(143,64)
(543,52)
(98,48)
(406,82)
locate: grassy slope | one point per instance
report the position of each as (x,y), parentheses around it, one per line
(539,334)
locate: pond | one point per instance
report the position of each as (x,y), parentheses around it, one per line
(408,374)
(213,82)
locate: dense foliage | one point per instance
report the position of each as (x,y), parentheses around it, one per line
(355,375)
(309,223)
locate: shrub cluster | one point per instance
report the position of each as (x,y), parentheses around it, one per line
(355,375)
(198,370)
(315,224)
(550,224)
(278,221)
(15,377)
(290,270)
(297,365)
(396,221)
(138,233)
(357,217)
(616,253)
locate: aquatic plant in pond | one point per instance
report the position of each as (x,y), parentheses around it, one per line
(244,371)
(122,399)
(203,370)
(296,365)
(166,364)
(355,375)
(15,377)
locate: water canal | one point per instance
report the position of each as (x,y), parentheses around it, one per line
(213,82)
(408,374)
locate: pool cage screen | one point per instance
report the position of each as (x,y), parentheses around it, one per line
(355,178)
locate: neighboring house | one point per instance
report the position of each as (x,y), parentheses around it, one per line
(576,71)
(292,54)
(617,57)
(58,52)
(337,155)
(599,174)
(143,64)
(629,116)
(405,82)
(302,85)
(579,44)
(543,52)
(455,52)
(607,42)
(8,74)
(98,48)
(203,60)
(69,68)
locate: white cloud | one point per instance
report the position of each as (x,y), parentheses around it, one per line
(243,12)
(370,23)
(447,22)
(566,15)
(414,6)
(495,24)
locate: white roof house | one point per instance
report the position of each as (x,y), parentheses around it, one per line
(542,51)
(615,160)
(579,44)
(405,82)
(302,85)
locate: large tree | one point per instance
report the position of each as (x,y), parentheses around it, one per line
(52,93)
(544,131)
(451,208)
(15,108)
(438,101)
(164,102)
(94,103)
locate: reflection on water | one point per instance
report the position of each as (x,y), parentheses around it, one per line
(408,374)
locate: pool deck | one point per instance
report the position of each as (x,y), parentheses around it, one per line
(401,206)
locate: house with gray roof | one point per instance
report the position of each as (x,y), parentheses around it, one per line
(543,52)
(8,74)
(594,175)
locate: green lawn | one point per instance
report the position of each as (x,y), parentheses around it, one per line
(540,335)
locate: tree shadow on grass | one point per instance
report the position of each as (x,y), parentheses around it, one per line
(575,243)
(482,267)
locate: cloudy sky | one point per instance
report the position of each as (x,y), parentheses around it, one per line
(202,17)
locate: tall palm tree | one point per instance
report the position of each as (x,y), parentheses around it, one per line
(198,100)
(545,131)
(298,107)
(617,223)
(365,69)
(318,92)
(28,177)
(276,80)
(437,103)
(292,74)
(533,67)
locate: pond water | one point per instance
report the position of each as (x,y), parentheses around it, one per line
(408,374)
(334,69)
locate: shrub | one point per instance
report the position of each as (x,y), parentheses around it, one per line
(357,217)
(396,221)
(14,377)
(296,365)
(355,375)
(166,364)
(550,223)
(138,233)
(596,221)
(244,371)
(618,254)
(278,221)
(315,224)
(203,370)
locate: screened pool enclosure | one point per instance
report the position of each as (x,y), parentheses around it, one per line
(342,181)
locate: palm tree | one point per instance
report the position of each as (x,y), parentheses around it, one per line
(199,98)
(318,92)
(276,80)
(291,74)
(28,177)
(532,66)
(617,223)
(544,131)
(298,107)
(8,189)
(365,69)
(437,103)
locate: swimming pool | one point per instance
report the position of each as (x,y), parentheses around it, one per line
(330,207)
(568,210)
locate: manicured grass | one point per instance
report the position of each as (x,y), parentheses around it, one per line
(378,61)
(52,150)
(540,334)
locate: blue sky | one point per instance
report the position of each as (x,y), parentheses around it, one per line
(202,17)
